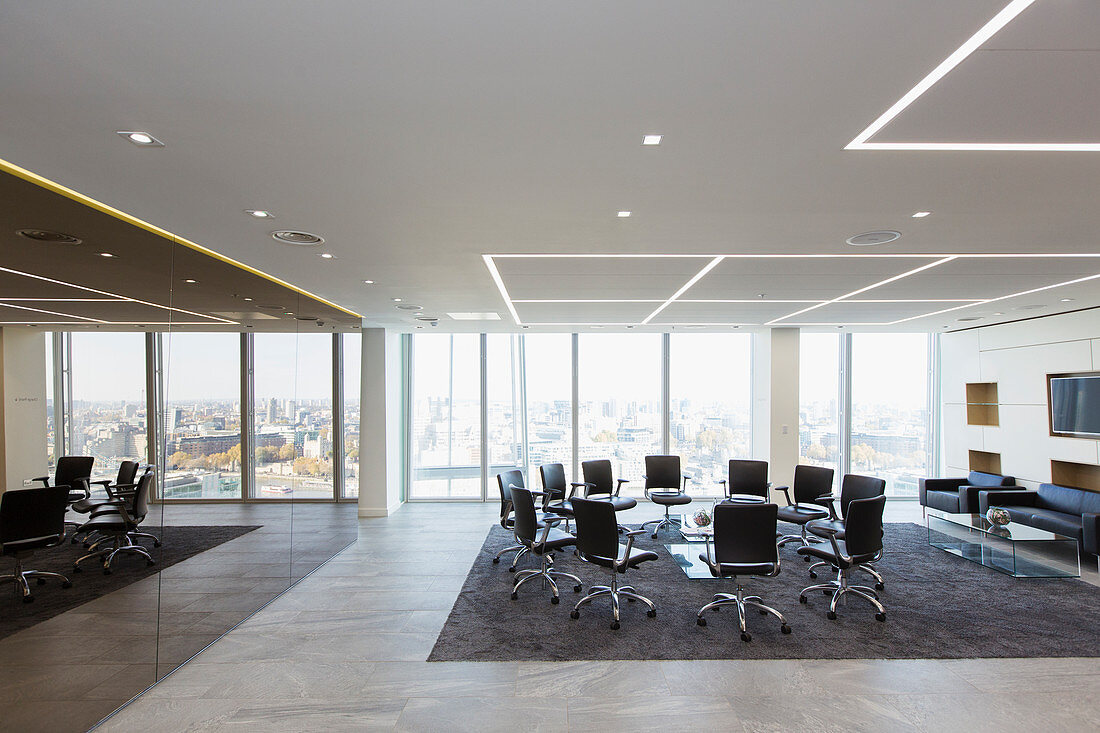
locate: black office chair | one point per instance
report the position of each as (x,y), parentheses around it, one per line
(747,477)
(743,544)
(598,543)
(810,484)
(542,542)
(557,492)
(74,472)
(852,487)
(118,526)
(862,545)
(125,482)
(600,483)
(663,487)
(504,480)
(32,519)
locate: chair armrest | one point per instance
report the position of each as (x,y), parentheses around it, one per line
(969,496)
(1090,526)
(925,485)
(829,500)
(102,482)
(710,555)
(786,494)
(44,479)
(832,533)
(1012,497)
(619,484)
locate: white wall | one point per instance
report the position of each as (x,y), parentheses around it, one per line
(380,438)
(775,402)
(1017,356)
(23,392)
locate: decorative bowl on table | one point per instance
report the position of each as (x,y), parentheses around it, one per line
(701,518)
(998,516)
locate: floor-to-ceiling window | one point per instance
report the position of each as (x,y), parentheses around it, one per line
(353,359)
(819,400)
(108,399)
(445,449)
(504,398)
(51,429)
(891,424)
(293,416)
(548,387)
(710,404)
(202,387)
(619,410)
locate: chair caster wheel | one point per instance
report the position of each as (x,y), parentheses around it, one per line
(614,625)
(555,600)
(41,581)
(701,621)
(106,571)
(880,586)
(496,561)
(746,636)
(785,629)
(654,536)
(514,595)
(652,613)
(813,573)
(802,599)
(831,615)
(150,563)
(577,588)
(574,614)
(157,543)
(880,616)
(511,570)
(28,599)
(806,558)
(67,584)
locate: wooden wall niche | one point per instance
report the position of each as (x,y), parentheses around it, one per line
(981,404)
(1078,475)
(985,462)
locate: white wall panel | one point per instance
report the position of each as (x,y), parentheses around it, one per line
(1067,327)
(954,424)
(959,364)
(1020,373)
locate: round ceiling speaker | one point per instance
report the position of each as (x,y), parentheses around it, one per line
(409,307)
(45,235)
(302,239)
(868,239)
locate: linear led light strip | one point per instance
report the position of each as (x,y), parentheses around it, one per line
(872,286)
(772,256)
(999,21)
(54,313)
(500,286)
(684,288)
(1002,297)
(114,296)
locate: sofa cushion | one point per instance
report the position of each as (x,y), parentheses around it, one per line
(1090,502)
(977,478)
(945,501)
(1060,499)
(1020,514)
(1052,521)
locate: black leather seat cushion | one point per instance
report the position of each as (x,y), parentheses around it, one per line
(669,499)
(1053,521)
(826,528)
(622,503)
(637,557)
(740,568)
(800,514)
(945,501)
(824,551)
(556,540)
(560,507)
(105,521)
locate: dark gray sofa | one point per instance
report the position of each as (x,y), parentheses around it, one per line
(960,495)
(1061,509)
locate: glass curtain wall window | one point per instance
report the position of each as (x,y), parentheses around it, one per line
(202,387)
(504,396)
(819,400)
(51,429)
(710,405)
(445,420)
(293,416)
(619,410)
(548,388)
(353,356)
(108,399)
(891,415)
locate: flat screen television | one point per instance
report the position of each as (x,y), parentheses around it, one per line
(1075,404)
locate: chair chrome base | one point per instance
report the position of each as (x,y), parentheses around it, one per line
(880,584)
(660,523)
(742,602)
(614,592)
(120,544)
(842,586)
(518,549)
(21,578)
(547,573)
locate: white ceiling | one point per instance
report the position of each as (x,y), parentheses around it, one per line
(417,137)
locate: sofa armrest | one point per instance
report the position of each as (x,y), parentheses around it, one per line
(1011,497)
(937,484)
(1090,526)
(968,496)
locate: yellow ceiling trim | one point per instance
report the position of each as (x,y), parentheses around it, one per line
(88,201)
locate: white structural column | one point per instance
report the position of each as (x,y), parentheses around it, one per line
(23,390)
(380,424)
(775,403)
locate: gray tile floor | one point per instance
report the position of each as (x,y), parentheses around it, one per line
(345,650)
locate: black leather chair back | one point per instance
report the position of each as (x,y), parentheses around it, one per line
(524,504)
(854,487)
(597,530)
(662,473)
(33,517)
(71,470)
(598,473)
(748,477)
(127,472)
(745,533)
(863,528)
(504,480)
(810,482)
(553,481)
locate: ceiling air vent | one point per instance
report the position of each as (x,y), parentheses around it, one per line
(304,239)
(45,235)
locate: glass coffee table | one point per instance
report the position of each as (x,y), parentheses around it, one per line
(1015,549)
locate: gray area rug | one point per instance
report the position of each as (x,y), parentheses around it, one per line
(938,606)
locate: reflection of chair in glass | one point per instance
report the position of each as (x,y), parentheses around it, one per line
(124,482)
(747,477)
(744,544)
(852,487)
(663,487)
(862,545)
(118,526)
(810,484)
(541,541)
(74,472)
(598,543)
(32,519)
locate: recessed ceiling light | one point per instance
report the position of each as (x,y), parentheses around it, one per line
(326,255)
(260,213)
(998,313)
(624,214)
(1067,300)
(249,299)
(141,138)
(105,254)
(189,280)
(921,214)
(396,300)
(288,313)
(651,139)
(368,282)
(488,316)
(868,239)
